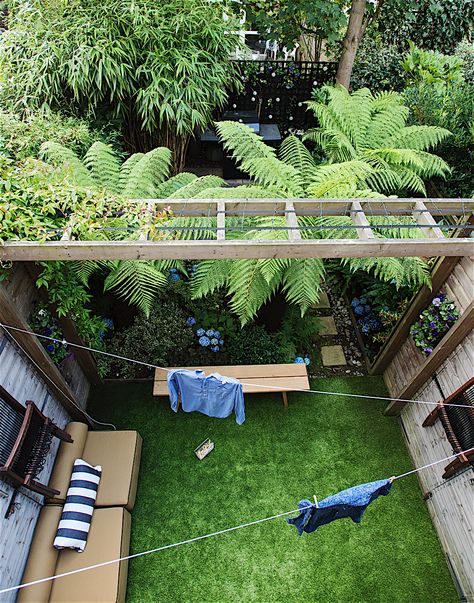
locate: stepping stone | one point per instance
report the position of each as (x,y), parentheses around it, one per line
(333,355)
(323,302)
(327,325)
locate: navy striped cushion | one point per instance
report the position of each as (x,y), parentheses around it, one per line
(76,517)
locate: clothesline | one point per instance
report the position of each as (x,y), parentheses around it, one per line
(204,536)
(264,386)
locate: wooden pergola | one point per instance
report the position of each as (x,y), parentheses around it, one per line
(426,213)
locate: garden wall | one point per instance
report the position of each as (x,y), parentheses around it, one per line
(19,377)
(25,381)
(452,363)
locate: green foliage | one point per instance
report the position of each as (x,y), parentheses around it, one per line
(432,24)
(377,66)
(434,323)
(285,21)
(254,345)
(162,68)
(161,338)
(22,138)
(465,51)
(362,128)
(428,66)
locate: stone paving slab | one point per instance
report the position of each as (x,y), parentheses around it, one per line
(333,355)
(323,303)
(327,325)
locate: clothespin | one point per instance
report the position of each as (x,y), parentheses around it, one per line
(391,479)
(315,500)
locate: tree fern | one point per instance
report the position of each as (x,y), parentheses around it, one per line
(146,174)
(242,141)
(103,166)
(136,281)
(302,282)
(59,155)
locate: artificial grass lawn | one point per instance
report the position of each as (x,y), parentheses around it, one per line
(321,445)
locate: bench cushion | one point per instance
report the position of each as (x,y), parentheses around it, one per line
(118,453)
(43,557)
(109,539)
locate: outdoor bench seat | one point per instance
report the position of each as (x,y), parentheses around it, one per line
(256,378)
(109,538)
(118,453)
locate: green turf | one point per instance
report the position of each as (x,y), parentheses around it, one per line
(320,445)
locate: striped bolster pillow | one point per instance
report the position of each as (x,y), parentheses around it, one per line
(77,513)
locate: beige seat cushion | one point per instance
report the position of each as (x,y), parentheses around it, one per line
(42,558)
(109,538)
(67,454)
(119,453)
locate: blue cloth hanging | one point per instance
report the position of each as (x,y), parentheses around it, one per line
(347,503)
(214,395)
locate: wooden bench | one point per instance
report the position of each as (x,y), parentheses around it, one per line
(273,377)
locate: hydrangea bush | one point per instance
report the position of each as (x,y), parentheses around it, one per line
(44,323)
(434,323)
(366,318)
(210,338)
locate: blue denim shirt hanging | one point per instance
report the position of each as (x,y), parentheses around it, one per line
(214,395)
(347,503)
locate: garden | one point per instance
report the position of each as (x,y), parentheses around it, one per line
(66,150)
(101,109)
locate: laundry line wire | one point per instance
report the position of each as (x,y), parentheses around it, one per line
(258,385)
(204,536)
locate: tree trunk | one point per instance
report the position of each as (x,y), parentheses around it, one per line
(355,30)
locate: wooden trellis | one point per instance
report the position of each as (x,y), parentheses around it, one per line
(434,243)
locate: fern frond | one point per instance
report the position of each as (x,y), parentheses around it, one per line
(271,172)
(244,143)
(126,167)
(240,192)
(197,186)
(136,281)
(418,137)
(210,276)
(59,155)
(248,289)
(293,152)
(147,174)
(327,180)
(104,166)
(302,282)
(84,269)
(173,184)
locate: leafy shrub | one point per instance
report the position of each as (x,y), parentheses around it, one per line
(22,138)
(434,323)
(254,345)
(163,338)
(465,51)
(377,66)
(431,67)
(43,322)
(297,334)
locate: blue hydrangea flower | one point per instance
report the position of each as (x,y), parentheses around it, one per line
(200,332)
(367,308)
(210,333)
(101,335)
(190,321)
(214,341)
(173,270)
(217,334)
(359,310)
(355,302)
(307,360)
(108,322)
(204,341)
(299,360)
(50,347)
(215,348)
(174,277)
(221,342)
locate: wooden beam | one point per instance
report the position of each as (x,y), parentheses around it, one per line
(292,222)
(233,249)
(220,221)
(53,380)
(360,219)
(448,344)
(424,218)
